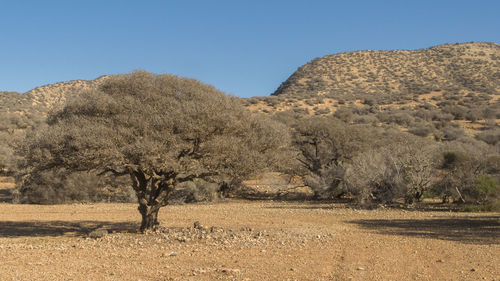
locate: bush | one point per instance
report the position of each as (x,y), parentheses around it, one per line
(365,119)
(458,112)
(450,133)
(195,191)
(482,188)
(487,207)
(444,117)
(322,111)
(344,113)
(470,172)
(401,118)
(490,137)
(326,184)
(420,130)
(57,187)
(399,170)
(473,115)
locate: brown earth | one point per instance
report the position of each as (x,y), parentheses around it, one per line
(247,240)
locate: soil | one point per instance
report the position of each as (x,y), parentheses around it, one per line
(246,240)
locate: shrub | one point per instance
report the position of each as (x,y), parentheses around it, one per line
(482,187)
(195,191)
(365,119)
(457,111)
(344,113)
(469,173)
(401,118)
(491,136)
(420,130)
(398,170)
(444,117)
(322,111)
(473,115)
(57,187)
(450,133)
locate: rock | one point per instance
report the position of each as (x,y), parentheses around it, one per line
(229,270)
(173,254)
(197,225)
(360,268)
(440,260)
(98,233)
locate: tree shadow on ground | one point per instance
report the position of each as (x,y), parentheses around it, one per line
(61,228)
(470,230)
(5,195)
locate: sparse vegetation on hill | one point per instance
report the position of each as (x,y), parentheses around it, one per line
(442,92)
(384,76)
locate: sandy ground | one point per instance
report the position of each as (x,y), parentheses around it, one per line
(247,240)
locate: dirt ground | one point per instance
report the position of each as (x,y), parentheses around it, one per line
(247,240)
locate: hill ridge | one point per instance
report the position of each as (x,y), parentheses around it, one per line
(454,67)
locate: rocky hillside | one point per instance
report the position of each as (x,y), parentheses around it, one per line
(468,67)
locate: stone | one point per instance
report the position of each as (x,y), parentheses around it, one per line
(98,233)
(197,225)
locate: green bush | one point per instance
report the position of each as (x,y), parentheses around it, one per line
(483,187)
(488,207)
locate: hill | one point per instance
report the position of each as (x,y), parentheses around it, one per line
(444,91)
(56,94)
(19,112)
(468,67)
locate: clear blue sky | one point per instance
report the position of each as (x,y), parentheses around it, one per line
(245,48)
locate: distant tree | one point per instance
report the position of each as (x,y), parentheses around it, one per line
(160,130)
(323,145)
(401,169)
(469,172)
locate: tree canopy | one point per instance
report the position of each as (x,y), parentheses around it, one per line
(161,130)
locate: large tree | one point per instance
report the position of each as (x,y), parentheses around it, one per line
(160,130)
(324,144)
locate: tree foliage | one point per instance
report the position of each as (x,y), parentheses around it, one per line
(160,130)
(403,169)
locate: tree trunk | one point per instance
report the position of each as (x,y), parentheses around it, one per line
(151,191)
(149,217)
